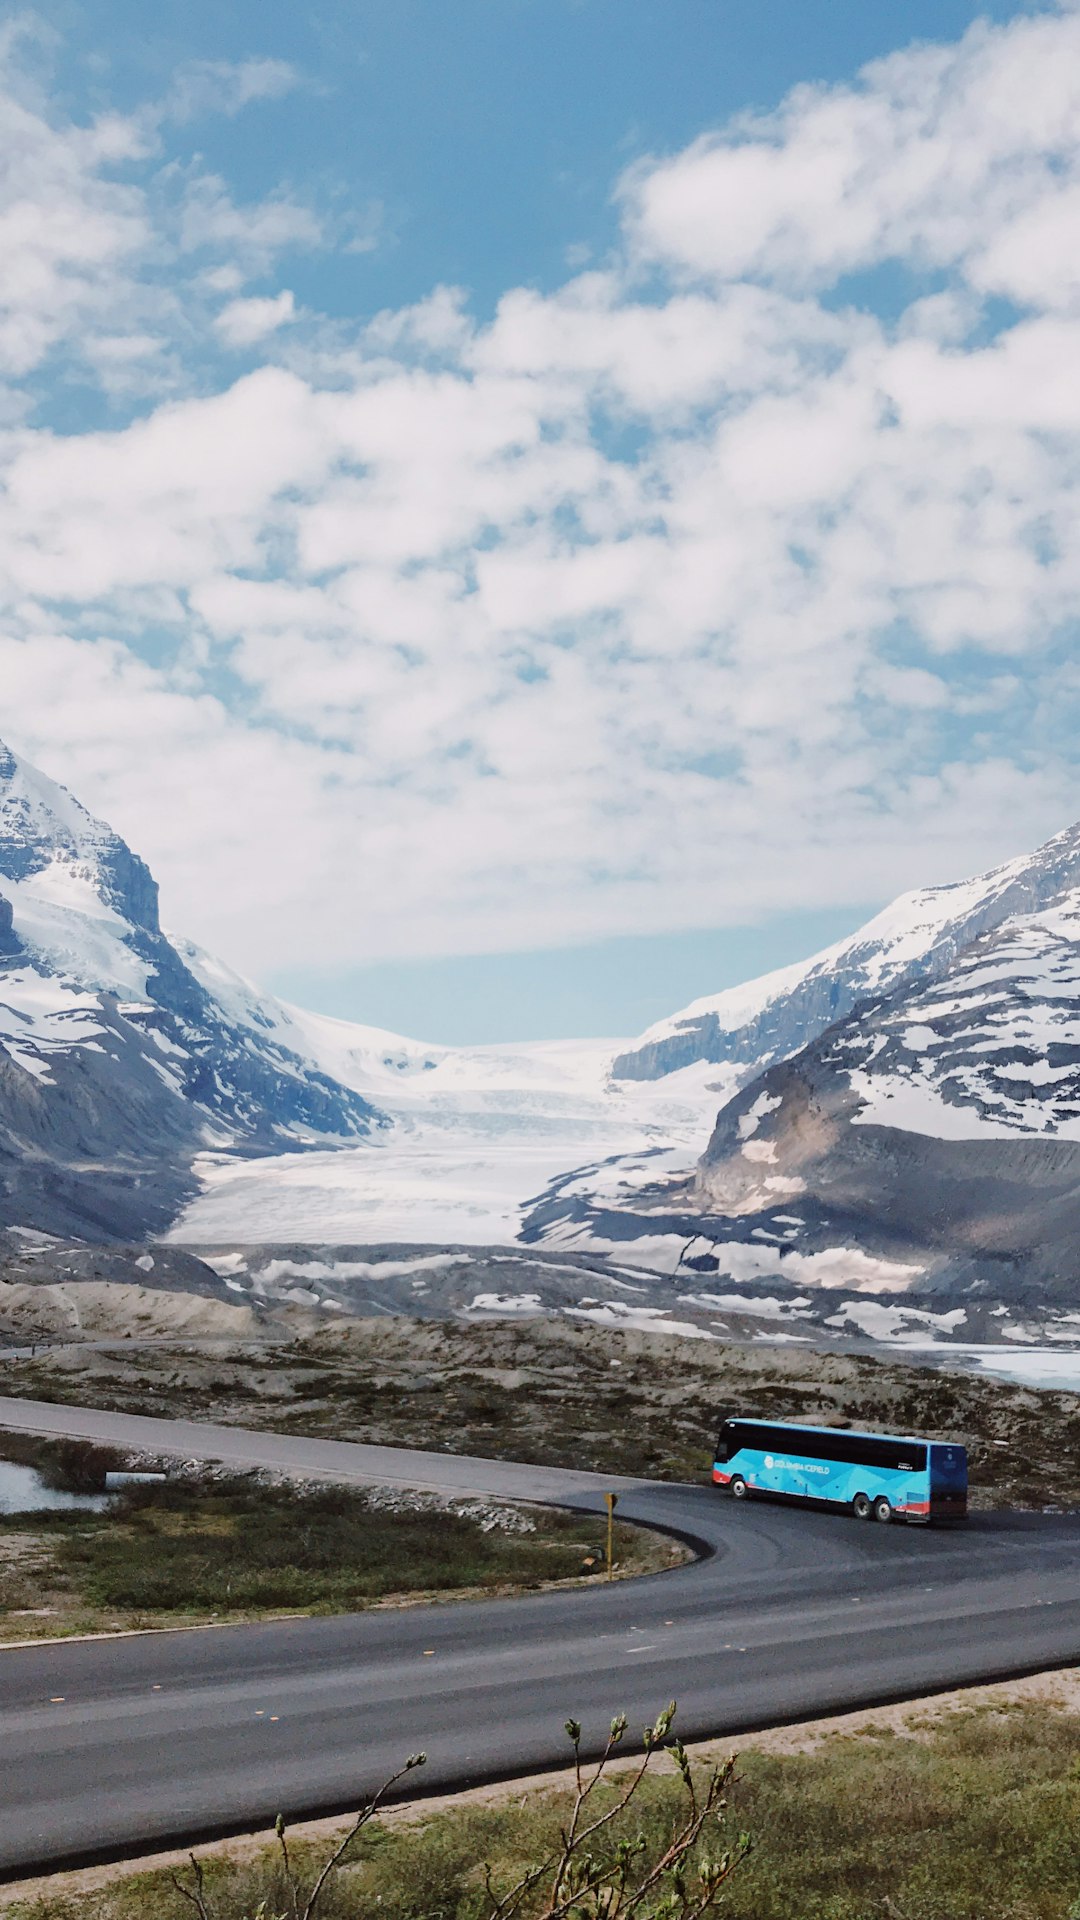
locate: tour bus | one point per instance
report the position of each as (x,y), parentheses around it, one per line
(874,1475)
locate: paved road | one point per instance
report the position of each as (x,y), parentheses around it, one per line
(114,1744)
(452,1473)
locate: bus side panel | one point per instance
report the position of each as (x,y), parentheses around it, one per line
(834,1480)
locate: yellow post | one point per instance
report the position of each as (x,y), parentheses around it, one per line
(612,1500)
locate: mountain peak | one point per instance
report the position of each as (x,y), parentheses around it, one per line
(54,853)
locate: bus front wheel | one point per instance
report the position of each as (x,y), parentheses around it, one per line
(861,1507)
(739,1488)
(883,1510)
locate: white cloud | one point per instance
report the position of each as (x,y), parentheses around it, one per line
(625,610)
(253,235)
(95,224)
(243,322)
(222,86)
(942,156)
(66,231)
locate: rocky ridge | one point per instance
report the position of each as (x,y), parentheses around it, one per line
(916,937)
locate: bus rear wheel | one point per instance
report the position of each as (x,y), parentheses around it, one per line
(861,1507)
(739,1488)
(883,1510)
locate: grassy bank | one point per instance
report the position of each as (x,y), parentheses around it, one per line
(973,1815)
(550,1392)
(211,1548)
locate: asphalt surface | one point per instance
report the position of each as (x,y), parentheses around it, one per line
(123,1744)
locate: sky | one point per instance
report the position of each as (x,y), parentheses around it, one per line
(526,512)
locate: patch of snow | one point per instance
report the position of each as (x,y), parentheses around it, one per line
(767,1308)
(917,1039)
(914,1106)
(276,1270)
(750,1121)
(522,1303)
(60,917)
(764,1150)
(617,1313)
(832,1267)
(894,1324)
(30,1063)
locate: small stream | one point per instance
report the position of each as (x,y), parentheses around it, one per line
(22,1490)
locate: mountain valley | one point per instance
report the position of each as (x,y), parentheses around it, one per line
(880,1145)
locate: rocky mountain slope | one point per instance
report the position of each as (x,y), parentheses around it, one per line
(938,1126)
(913,1170)
(118,1064)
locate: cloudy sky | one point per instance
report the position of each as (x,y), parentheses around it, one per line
(525,511)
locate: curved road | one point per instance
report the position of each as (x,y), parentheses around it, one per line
(119,1744)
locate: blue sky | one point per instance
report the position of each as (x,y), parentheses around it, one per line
(530,511)
(484,136)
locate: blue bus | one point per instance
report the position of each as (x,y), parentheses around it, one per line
(874,1475)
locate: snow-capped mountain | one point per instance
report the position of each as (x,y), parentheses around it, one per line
(939,1125)
(916,937)
(920,1151)
(117,1063)
(551,1148)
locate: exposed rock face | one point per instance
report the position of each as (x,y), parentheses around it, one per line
(9,939)
(117,1064)
(916,938)
(941,1122)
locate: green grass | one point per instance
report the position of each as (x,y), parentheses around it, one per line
(978,1820)
(234,1547)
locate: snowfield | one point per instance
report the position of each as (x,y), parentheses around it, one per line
(476,1136)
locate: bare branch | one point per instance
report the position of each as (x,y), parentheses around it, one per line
(194,1899)
(365,1814)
